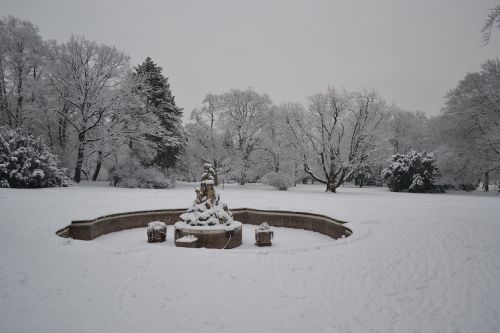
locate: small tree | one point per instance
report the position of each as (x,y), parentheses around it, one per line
(279,180)
(26,162)
(414,172)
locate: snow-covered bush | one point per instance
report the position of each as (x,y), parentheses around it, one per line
(131,173)
(26,162)
(414,172)
(279,180)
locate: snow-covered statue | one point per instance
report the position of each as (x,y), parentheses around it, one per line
(207,209)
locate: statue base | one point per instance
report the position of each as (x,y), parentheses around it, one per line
(211,237)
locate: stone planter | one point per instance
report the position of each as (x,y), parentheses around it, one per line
(157,232)
(263,237)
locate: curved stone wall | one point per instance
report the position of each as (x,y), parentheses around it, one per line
(90,229)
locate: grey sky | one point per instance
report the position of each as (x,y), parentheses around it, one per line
(412,52)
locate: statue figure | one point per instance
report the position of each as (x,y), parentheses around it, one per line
(207,209)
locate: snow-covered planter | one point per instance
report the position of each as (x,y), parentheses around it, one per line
(26,162)
(157,232)
(264,235)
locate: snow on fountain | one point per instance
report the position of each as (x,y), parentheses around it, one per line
(209,219)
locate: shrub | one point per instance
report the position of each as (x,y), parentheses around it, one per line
(26,162)
(279,180)
(414,172)
(132,174)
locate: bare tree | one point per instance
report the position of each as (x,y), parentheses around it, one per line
(335,134)
(87,78)
(21,51)
(493,20)
(243,113)
(473,111)
(407,131)
(205,136)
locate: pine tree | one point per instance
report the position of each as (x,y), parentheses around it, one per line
(157,97)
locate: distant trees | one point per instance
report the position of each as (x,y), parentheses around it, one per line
(407,131)
(243,113)
(205,138)
(472,113)
(87,102)
(336,134)
(22,55)
(98,113)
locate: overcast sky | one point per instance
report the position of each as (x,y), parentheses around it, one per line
(412,52)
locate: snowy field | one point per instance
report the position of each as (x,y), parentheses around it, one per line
(415,263)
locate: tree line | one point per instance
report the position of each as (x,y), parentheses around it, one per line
(96,111)
(341,135)
(87,102)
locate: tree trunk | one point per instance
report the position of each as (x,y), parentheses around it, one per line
(19,96)
(486,184)
(3,96)
(79,158)
(216,177)
(49,134)
(97,166)
(330,185)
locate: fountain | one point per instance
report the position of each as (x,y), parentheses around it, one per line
(208,223)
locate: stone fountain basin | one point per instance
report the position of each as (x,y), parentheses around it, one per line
(91,229)
(211,237)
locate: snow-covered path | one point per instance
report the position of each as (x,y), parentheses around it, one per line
(415,263)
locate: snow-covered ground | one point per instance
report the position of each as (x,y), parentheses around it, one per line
(415,263)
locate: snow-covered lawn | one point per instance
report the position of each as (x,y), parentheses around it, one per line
(415,263)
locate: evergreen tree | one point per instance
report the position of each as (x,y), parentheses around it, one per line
(26,162)
(157,98)
(414,172)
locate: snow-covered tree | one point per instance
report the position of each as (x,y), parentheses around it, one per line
(86,77)
(407,131)
(472,114)
(335,134)
(205,136)
(157,98)
(493,20)
(277,149)
(243,115)
(413,171)
(25,161)
(22,57)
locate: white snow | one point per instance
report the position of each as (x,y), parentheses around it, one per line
(264,226)
(415,263)
(207,228)
(156,226)
(185,239)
